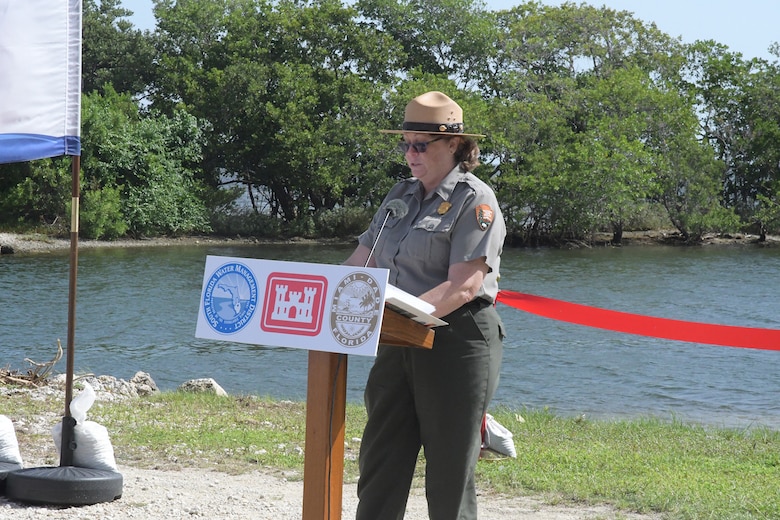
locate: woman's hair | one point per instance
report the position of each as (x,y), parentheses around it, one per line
(467,154)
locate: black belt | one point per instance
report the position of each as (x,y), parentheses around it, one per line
(477,304)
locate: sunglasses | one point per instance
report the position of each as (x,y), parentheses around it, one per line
(421,147)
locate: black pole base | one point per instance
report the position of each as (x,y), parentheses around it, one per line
(63,485)
(5,469)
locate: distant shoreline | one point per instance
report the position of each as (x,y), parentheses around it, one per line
(20,243)
(39,243)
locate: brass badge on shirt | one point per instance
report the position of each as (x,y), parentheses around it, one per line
(444,207)
(484,216)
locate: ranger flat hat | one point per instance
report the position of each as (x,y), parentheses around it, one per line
(433,113)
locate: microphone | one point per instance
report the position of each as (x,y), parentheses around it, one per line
(396,208)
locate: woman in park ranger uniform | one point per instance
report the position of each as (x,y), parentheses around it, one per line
(446,250)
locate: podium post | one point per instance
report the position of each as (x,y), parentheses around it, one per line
(326,398)
(323,475)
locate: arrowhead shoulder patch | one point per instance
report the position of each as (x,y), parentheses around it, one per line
(485,216)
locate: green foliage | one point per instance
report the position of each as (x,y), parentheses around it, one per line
(694,207)
(591,116)
(245,222)
(230,215)
(287,89)
(36,193)
(690,188)
(113,52)
(101,214)
(740,115)
(162,199)
(342,222)
(151,160)
(768,214)
(444,38)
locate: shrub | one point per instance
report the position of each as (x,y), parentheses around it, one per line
(342,222)
(101,214)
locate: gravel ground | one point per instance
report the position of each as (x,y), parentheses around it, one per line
(194,493)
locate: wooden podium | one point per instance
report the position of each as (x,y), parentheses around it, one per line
(326,397)
(301,305)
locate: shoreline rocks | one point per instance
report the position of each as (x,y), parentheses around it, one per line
(110,388)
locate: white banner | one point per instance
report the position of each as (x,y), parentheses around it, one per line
(330,308)
(40,79)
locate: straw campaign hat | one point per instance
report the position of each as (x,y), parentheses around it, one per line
(433,113)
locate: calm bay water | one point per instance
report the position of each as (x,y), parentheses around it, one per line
(136,310)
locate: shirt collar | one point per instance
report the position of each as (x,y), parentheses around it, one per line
(448,183)
(444,190)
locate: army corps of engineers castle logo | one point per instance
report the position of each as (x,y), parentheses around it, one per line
(355,310)
(230,298)
(294,304)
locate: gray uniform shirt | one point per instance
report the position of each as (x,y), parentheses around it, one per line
(459,221)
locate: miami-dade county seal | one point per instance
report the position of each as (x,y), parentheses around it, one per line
(355,310)
(230,298)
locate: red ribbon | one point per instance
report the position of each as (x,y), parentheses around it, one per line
(723,335)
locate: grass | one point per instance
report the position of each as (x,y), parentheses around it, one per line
(683,471)
(643,465)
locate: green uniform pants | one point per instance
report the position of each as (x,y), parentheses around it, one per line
(435,399)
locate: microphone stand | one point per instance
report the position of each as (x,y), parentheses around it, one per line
(376,240)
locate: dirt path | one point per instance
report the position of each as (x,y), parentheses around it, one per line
(197,493)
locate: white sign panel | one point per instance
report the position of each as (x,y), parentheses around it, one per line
(331,308)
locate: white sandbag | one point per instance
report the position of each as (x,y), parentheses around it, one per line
(93,445)
(498,438)
(9,446)
(81,404)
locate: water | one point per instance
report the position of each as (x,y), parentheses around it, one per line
(136,310)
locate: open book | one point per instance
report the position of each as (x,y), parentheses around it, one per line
(411,307)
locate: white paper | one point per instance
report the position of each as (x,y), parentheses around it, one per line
(411,306)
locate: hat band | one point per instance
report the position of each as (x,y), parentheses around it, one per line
(451,128)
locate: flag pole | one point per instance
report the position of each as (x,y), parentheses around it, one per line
(69,483)
(68,422)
